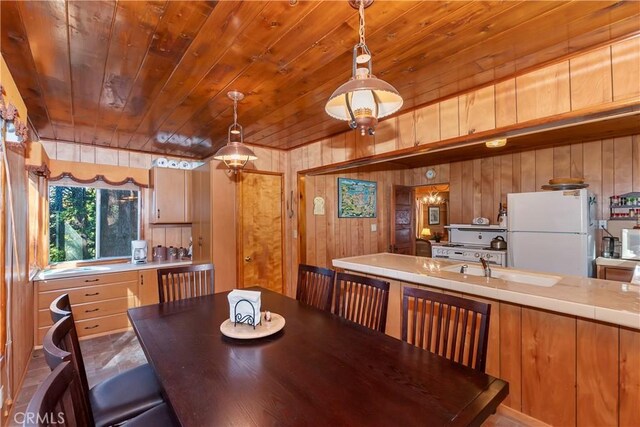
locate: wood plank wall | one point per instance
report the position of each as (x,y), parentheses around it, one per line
(587,80)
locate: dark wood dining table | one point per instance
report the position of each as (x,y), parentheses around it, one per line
(319,370)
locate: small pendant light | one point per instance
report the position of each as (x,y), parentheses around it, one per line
(235,154)
(364,98)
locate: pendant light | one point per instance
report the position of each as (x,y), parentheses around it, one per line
(235,154)
(364,98)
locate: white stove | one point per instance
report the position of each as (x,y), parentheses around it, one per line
(469,243)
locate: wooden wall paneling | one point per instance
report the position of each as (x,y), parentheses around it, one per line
(406,130)
(577,162)
(497,187)
(528,171)
(386,136)
(488,176)
(510,352)
(310,221)
(622,165)
(597,374)
(477,190)
(544,167)
(350,150)
(321,223)
(592,172)
(506,177)
(607,176)
(427,124)
(544,92)
(626,69)
(455,192)
(505,108)
(468,191)
(635,163)
(314,155)
(223,227)
(477,111)
(549,346)
(449,118)
(338,144)
(629,393)
(87,154)
(365,145)
(325,148)
(561,161)
(331,205)
(591,78)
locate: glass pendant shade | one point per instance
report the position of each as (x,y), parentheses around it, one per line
(235,154)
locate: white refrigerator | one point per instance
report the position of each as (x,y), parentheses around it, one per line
(552,232)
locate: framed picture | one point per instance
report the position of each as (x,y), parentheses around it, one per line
(434,215)
(356,198)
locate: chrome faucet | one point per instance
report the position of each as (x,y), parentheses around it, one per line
(463,269)
(485,267)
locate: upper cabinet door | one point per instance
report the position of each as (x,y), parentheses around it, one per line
(170,196)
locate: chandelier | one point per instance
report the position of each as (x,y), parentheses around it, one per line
(235,154)
(364,98)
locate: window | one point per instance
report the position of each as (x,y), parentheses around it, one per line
(88,222)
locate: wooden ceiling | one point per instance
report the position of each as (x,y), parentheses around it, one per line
(153,75)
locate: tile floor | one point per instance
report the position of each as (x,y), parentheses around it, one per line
(103,357)
(107,355)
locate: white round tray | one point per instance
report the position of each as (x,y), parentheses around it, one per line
(243,331)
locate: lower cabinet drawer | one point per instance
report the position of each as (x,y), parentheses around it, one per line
(88,327)
(91,310)
(90,294)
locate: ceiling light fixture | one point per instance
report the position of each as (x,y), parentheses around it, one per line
(364,98)
(235,154)
(496,143)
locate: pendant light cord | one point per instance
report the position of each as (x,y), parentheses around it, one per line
(362,24)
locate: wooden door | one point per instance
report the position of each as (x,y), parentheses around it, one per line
(402,235)
(260,249)
(201,213)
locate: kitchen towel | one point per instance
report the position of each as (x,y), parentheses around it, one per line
(244,306)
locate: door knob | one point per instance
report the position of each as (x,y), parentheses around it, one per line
(247,258)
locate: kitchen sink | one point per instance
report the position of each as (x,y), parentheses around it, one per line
(536,279)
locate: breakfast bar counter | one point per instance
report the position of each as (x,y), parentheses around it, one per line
(568,346)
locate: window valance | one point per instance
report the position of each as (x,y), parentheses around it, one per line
(87,173)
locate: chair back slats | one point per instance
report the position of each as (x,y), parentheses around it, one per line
(315,286)
(450,326)
(185,282)
(60,344)
(60,307)
(362,300)
(59,401)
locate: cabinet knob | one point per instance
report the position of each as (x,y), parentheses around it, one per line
(247,259)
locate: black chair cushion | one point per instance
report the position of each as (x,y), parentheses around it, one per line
(124,396)
(160,416)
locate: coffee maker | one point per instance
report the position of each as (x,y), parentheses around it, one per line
(138,251)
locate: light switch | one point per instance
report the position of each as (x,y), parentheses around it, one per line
(374,227)
(295,234)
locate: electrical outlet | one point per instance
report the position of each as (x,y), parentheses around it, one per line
(602,223)
(374,227)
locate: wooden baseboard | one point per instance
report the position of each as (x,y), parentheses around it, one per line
(507,413)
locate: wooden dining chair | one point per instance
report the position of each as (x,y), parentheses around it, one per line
(114,400)
(362,300)
(59,401)
(60,307)
(315,286)
(450,326)
(185,282)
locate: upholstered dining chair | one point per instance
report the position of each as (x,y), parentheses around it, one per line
(315,286)
(362,300)
(114,400)
(60,307)
(450,326)
(61,400)
(185,282)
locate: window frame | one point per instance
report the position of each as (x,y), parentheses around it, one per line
(98,185)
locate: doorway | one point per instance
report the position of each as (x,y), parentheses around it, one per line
(260,230)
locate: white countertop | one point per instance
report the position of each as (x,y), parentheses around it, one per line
(60,273)
(602,300)
(617,262)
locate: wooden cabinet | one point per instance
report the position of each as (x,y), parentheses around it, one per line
(619,274)
(171,196)
(99,302)
(201,214)
(148,287)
